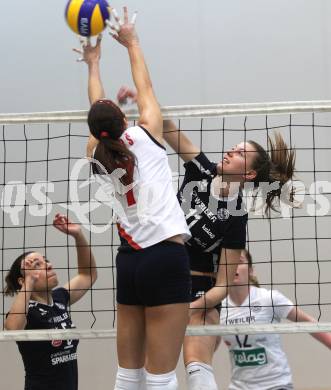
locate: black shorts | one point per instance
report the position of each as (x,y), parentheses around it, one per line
(287,387)
(200,285)
(153,276)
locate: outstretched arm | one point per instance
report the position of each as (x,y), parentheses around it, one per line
(229,260)
(175,138)
(179,142)
(91,55)
(149,109)
(87,271)
(297,315)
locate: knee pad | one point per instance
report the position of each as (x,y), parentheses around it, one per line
(129,379)
(166,381)
(200,376)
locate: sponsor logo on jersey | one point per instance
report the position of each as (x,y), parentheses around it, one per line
(256,308)
(241,320)
(64,358)
(210,234)
(203,208)
(223,214)
(250,357)
(60,305)
(56,343)
(60,318)
(43,312)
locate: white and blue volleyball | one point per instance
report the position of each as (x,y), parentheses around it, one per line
(87,17)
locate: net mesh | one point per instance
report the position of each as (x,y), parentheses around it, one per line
(42,173)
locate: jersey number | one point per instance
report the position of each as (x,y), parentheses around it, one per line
(243,344)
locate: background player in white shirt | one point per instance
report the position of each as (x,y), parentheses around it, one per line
(258,361)
(39,305)
(153,279)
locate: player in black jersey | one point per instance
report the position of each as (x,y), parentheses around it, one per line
(210,196)
(50,365)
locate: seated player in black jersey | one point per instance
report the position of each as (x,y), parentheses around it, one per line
(50,365)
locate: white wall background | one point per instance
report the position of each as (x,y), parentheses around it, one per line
(198,53)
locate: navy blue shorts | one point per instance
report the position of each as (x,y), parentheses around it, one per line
(153,276)
(200,285)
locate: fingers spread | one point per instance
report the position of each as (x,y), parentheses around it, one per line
(126,16)
(99,39)
(114,35)
(114,27)
(134,17)
(83,42)
(79,51)
(116,17)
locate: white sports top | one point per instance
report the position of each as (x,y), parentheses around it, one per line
(258,361)
(148,210)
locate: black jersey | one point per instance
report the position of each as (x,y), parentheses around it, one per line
(51,364)
(214,223)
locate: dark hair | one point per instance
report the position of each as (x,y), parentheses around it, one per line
(106,123)
(253,280)
(12,284)
(276,166)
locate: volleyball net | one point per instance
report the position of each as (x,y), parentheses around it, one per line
(43,172)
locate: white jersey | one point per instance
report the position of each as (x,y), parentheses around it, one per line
(258,361)
(148,210)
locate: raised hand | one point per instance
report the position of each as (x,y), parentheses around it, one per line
(123,31)
(126,93)
(62,223)
(89,53)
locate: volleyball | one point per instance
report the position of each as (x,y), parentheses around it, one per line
(87,17)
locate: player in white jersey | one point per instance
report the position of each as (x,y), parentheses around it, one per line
(258,361)
(153,280)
